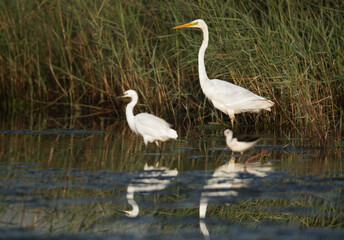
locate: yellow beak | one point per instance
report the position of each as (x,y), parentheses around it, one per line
(190,24)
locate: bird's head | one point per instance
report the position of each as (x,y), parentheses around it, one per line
(228,133)
(130,93)
(198,23)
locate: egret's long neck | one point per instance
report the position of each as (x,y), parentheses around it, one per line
(201,67)
(130,114)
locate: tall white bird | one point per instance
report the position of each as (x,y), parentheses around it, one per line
(150,127)
(227,97)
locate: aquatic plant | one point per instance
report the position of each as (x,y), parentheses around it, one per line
(79,54)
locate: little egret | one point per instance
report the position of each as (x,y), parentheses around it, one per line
(227,97)
(150,127)
(241,145)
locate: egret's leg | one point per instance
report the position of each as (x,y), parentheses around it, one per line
(146,148)
(232,117)
(160,146)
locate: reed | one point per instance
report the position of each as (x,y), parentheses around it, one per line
(80,54)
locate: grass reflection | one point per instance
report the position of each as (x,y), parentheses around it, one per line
(77,182)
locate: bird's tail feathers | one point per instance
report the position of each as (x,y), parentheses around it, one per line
(268,103)
(173,134)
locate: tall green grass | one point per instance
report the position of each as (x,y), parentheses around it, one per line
(80,54)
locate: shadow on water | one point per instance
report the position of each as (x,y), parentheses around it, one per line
(96,179)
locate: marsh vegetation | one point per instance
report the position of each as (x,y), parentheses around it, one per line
(67,156)
(78,55)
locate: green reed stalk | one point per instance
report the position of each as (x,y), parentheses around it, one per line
(85,52)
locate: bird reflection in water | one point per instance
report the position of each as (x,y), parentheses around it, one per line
(152,179)
(226,183)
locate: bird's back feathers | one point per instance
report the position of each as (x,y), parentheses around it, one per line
(225,95)
(148,124)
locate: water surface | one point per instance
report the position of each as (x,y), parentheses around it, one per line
(98,180)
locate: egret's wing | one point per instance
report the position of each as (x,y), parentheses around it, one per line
(148,124)
(235,97)
(228,92)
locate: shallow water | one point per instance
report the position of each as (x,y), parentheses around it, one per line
(98,180)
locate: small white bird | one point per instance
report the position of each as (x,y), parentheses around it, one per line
(227,97)
(242,144)
(239,145)
(150,127)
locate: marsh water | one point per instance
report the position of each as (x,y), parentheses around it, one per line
(86,179)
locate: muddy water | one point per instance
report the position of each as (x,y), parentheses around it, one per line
(87,181)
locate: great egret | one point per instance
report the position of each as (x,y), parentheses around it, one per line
(241,145)
(227,97)
(150,127)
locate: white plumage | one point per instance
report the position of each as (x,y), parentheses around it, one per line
(227,97)
(150,127)
(239,145)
